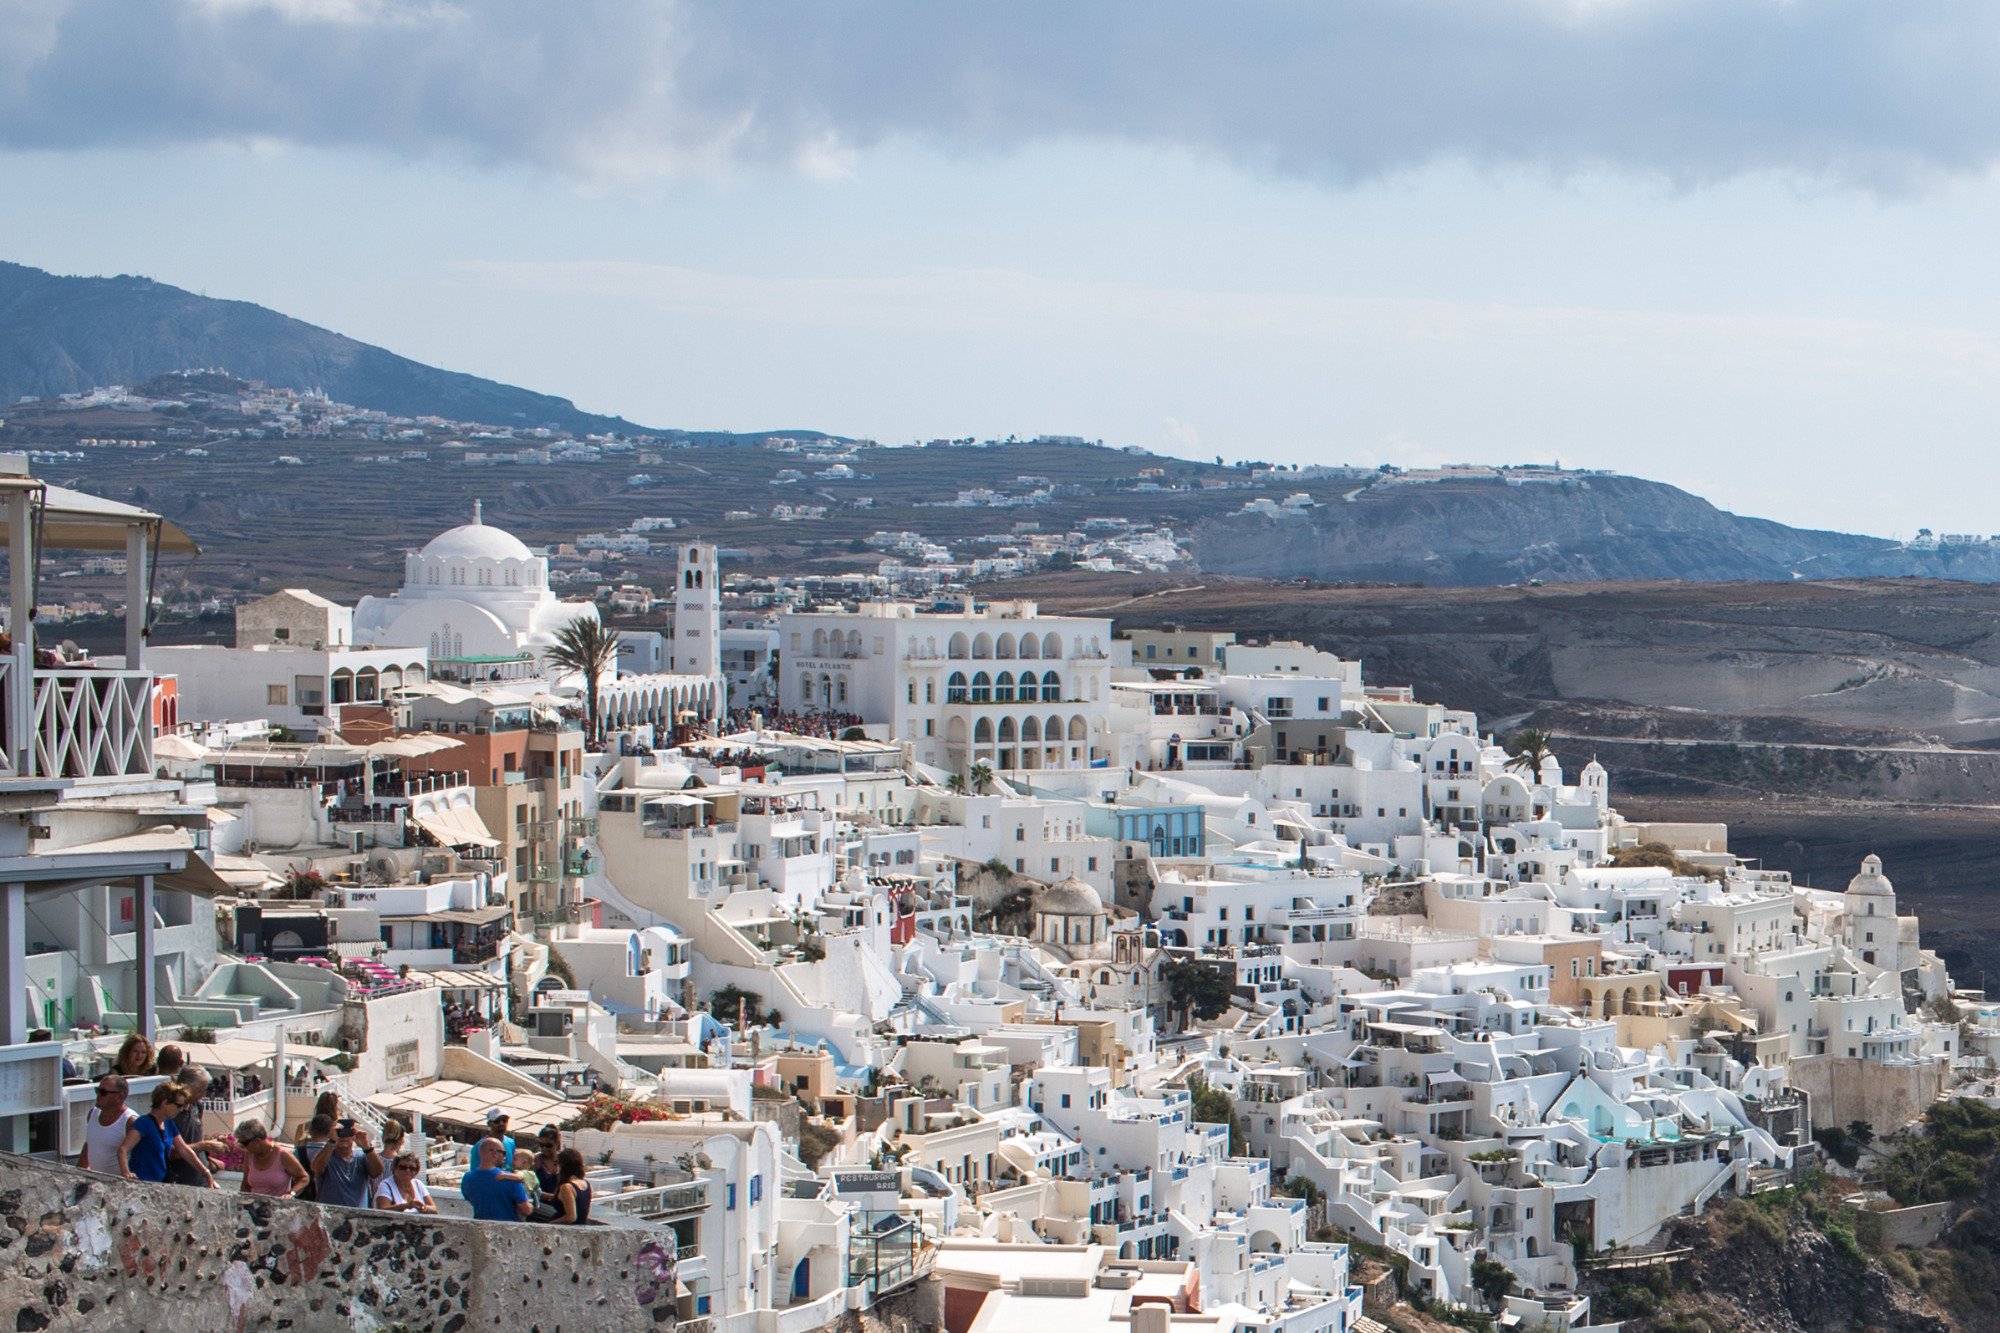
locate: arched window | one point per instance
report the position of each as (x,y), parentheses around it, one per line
(982,689)
(954,688)
(958,647)
(806,688)
(930,689)
(840,690)
(1051,688)
(982,645)
(819,643)
(910,692)
(1003,688)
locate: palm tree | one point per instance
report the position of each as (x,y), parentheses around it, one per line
(980,777)
(1530,748)
(955,784)
(587,647)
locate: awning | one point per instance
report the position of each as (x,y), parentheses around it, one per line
(244,872)
(165,843)
(437,689)
(466,1104)
(243,1052)
(450,978)
(457,826)
(414,746)
(77,521)
(232,1052)
(477,916)
(302,756)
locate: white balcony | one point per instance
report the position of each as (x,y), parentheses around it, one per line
(81,724)
(76,722)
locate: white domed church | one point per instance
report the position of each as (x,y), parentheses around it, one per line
(474,591)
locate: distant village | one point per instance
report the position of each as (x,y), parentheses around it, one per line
(850,940)
(197,410)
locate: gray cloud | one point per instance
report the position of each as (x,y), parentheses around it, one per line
(1886,96)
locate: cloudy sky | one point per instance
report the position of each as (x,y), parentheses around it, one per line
(1743,246)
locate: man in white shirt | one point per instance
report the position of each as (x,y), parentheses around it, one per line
(109,1131)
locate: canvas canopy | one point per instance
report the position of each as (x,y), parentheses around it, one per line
(77,521)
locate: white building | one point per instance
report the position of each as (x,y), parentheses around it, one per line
(473,592)
(1004,686)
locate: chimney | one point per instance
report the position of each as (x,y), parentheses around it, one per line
(1150,1318)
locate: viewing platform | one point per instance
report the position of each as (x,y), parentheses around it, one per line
(175,1259)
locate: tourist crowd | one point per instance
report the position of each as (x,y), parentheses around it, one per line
(825,723)
(333,1160)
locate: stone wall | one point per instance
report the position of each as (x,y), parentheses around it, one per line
(1914,1227)
(1403,898)
(1888,1097)
(84,1251)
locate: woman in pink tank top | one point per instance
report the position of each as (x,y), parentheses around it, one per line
(267,1168)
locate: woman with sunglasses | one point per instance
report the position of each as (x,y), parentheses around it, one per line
(403,1190)
(160,1138)
(268,1167)
(110,1131)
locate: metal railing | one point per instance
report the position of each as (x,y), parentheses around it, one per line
(657,1202)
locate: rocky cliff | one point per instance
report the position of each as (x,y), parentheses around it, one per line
(1590,528)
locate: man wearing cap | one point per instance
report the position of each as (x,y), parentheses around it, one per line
(496,1127)
(346,1177)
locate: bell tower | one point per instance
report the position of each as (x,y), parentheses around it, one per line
(698,615)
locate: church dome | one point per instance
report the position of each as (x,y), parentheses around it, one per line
(1071,897)
(476,541)
(1871,879)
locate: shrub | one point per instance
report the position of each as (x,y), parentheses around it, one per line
(1837,1144)
(1494,1281)
(816,1140)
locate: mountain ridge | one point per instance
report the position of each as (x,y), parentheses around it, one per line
(1462,527)
(64,334)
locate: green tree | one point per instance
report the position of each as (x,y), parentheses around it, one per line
(1530,749)
(1494,1281)
(585,646)
(1198,989)
(1212,1106)
(980,778)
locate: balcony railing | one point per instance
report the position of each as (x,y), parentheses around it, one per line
(85,724)
(660,1201)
